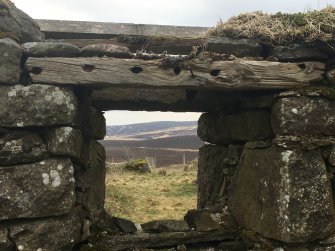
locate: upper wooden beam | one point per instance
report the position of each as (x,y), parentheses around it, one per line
(60,29)
(192,73)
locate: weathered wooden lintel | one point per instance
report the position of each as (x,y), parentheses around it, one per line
(156,38)
(83,29)
(192,74)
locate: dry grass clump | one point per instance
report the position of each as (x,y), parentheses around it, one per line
(280,28)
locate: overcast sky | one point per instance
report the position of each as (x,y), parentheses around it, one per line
(166,12)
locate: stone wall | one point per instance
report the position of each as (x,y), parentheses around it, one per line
(52,168)
(265,177)
(272,168)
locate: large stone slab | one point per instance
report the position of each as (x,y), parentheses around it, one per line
(283,194)
(36,105)
(19,147)
(35,190)
(106,50)
(297,53)
(97,124)
(237,47)
(91,180)
(10,57)
(16,24)
(161,226)
(5,242)
(303,116)
(65,141)
(54,234)
(214,175)
(220,128)
(50,49)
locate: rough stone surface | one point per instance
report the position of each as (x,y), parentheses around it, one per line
(237,47)
(125,226)
(214,176)
(91,180)
(298,53)
(41,189)
(220,128)
(160,226)
(97,124)
(17,25)
(303,116)
(10,56)
(231,246)
(50,49)
(108,50)
(201,220)
(5,243)
(331,159)
(36,105)
(21,147)
(54,234)
(65,141)
(257,101)
(283,194)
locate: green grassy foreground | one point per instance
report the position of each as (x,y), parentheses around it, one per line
(142,197)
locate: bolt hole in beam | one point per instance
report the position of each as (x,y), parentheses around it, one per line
(36,70)
(88,67)
(177,70)
(215,72)
(302,66)
(136,69)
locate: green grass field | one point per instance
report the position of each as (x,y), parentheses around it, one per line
(151,196)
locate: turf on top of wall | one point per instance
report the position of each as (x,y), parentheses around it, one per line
(280,29)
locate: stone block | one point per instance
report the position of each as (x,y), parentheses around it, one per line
(106,50)
(97,124)
(20,147)
(91,180)
(303,116)
(53,234)
(213,178)
(283,194)
(236,47)
(10,58)
(36,190)
(65,141)
(222,129)
(298,53)
(161,226)
(16,24)
(5,242)
(36,105)
(50,49)
(202,221)
(124,225)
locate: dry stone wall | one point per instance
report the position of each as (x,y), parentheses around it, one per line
(52,168)
(265,177)
(272,168)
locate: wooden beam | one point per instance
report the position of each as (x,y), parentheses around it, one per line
(82,29)
(156,38)
(194,73)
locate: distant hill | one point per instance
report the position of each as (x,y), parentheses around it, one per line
(152,130)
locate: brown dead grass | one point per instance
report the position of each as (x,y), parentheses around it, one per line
(280,28)
(153,196)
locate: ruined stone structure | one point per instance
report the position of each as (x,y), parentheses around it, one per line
(265,178)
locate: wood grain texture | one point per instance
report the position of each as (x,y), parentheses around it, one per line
(194,73)
(73,28)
